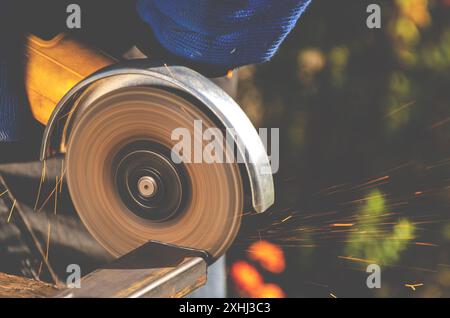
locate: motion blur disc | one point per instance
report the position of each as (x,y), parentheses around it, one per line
(126,188)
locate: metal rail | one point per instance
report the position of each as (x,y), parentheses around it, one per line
(152,270)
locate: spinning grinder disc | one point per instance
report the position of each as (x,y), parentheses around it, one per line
(126,188)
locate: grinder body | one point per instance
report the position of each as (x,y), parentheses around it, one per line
(113,123)
(53,67)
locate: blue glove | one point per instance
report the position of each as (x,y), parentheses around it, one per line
(228,33)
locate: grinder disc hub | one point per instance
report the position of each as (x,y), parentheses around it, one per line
(148,182)
(147,186)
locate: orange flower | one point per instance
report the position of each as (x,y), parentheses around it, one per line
(246,277)
(270,256)
(416,10)
(268,291)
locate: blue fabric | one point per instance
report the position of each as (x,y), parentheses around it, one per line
(229,33)
(14,110)
(9,102)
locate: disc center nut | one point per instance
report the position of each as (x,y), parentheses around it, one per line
(147,186)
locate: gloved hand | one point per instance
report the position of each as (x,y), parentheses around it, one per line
(218,32)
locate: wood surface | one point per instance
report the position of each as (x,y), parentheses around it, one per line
(19,287)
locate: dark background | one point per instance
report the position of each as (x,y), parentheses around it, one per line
(364,118)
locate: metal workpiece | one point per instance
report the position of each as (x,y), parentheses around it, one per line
(153,270)
(145,73)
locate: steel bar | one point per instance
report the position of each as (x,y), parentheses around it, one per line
(153,270)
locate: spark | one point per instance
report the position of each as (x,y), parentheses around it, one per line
(47,247)
(56,194)
(334,187)
(429,222)
(40,269)
(318,284)
(62,175)
(29,227)
(4,192)
(49,227)
(384,178)
(400,166)
(230,74)
(413,286)
(55,189)
(68,114)
(342,224)
(319,228)
(40,184)
(287,218)
(318,215)
(169,70)
(426,244)
(398,109)
(440,123)
(333,295)
(440,163)
(357,259)
(365,199)
(305,245)
(11,211)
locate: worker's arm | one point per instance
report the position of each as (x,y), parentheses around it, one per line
(225,33)
(13,119)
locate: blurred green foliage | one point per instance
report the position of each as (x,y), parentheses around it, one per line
(371,241)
